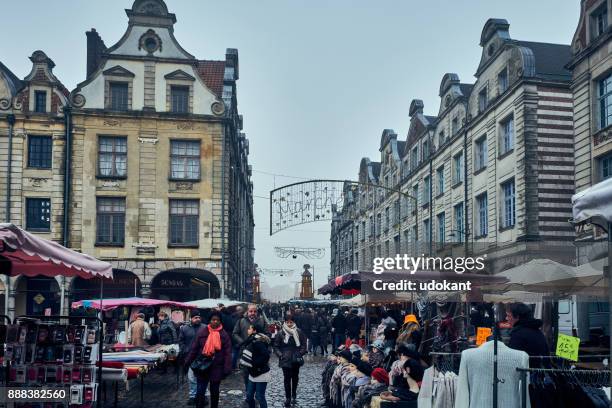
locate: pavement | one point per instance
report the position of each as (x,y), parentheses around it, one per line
(161,390)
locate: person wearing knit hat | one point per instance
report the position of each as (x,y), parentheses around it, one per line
(380,375)
(379,380)
(364,368)
(346,355)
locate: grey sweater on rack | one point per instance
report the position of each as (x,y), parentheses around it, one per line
(475,389)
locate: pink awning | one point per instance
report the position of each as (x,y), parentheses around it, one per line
(110,304)
(26,254)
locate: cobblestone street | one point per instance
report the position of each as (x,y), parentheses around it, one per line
(161,391)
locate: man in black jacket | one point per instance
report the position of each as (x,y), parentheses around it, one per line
(353,326)
(338,324)
(187,334)
(526,334)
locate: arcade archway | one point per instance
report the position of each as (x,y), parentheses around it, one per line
(123,284)
(37,295)
(185,284)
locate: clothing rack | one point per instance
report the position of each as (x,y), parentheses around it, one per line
(524,371)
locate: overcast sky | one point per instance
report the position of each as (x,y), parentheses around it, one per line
(319,80)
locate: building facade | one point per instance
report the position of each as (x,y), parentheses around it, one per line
(159,180)
(491,173)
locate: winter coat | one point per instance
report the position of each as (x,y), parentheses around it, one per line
(222,361)
(338,323)
(527,336)
(241,330)
(353,326)
(256,350)
(323,326)
(187,334)
(138,332)
(167,332)
(335,384)
(286,352)
(376,359)
(306,323)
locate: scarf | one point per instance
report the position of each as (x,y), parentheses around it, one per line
(291,331)
(213,342)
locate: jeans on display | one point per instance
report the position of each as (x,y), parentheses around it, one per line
(256,390)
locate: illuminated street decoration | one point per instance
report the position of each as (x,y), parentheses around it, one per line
(309,253)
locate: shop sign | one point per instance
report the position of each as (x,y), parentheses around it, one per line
(172,283)
(39,299)
(482,333)
(567,347)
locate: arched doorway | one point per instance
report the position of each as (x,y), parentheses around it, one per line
(37,294)
(183,285)
(123,284)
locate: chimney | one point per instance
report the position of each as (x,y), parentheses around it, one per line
(95,47)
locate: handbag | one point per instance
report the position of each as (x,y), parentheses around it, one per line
(297,360)
(201,365)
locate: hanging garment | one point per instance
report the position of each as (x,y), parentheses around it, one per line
(475,388)
(425,394)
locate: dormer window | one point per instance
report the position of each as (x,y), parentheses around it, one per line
(455,126)
(482,100)
(180,99)
(502,81)
(40,101)
(599,21)
(119,96)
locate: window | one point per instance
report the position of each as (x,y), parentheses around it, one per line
(425,149)
(413,240)
(372,226)
(441,138)
(185,159)
(605,102)
(440,178)
(480,153)
(40,151)
(458,168)
(397,244)
(599,21)
(363,230)
(482,100)
(110,221)
(426,232)
(415,194)
(184,220)
(426,189)
(119,96)
(441,218)
(356,265)
(454,126)
(414,158)
(387,249)
(356,236)
(482,208)
(40,101)
(502,81)
(396,212)
(180,99)
(508,218)
(605,166)
(378,224)
(112,156)
(458,232)
(507,136)
(38,214)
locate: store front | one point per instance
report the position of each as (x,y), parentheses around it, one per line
(124,284)
(38,295)
(183,285)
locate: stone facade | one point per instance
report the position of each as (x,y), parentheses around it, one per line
(591,65)
(498,154)
(145,105)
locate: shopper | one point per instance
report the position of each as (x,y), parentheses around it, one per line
(412,372)
(240,333)
(353,326)
(214,342)
(290,347)
(256,357)
(187,334)
(139,331)
(305,321)
(526,334)
(323,327)
(166,331)
(338,324)
(379,381)
(410,333)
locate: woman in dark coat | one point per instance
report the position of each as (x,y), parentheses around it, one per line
(213,341)
(290,346)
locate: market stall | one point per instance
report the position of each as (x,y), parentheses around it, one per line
(52,351)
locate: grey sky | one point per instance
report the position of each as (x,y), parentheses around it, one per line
(319,80)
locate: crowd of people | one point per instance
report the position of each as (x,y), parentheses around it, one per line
(391,368)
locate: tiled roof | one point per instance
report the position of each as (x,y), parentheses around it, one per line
(550,59)
(212,73)
(466,89)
